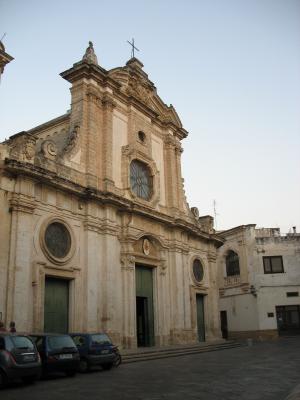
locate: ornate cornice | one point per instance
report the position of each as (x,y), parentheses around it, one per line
(50,178)
(22,204)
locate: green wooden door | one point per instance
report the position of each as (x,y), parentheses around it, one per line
(56,311)
(144,306)
(200,317)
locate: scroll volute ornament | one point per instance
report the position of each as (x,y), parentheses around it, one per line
(49,149)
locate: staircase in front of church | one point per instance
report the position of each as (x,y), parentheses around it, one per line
(153,353)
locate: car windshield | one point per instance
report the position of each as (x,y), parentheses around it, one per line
(22,342)
(60,342)
(100,338)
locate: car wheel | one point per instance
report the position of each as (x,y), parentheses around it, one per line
(107,366)
(118,360)
(29,379)
(71,373)
(83,366)
(3,379)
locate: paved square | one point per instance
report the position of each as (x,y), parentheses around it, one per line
(265,371)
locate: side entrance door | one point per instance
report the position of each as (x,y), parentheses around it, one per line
(224,326)
(144,306)
(56,308)
(200,317)
(288,319)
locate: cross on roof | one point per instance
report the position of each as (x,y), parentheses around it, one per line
(133,47)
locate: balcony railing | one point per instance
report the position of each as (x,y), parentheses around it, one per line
(232,280)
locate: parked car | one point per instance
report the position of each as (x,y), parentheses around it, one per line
(96,349)
(58,353)
(19,359)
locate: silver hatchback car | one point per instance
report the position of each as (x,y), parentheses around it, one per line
(19,358)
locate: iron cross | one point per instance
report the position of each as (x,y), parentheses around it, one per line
(133,47)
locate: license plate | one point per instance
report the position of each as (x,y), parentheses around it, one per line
(104,351)
(28,358)
(65,356)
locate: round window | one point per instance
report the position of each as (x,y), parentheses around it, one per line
(140,179)
(58,240)
(198,270)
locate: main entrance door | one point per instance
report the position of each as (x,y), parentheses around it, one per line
(144,306)
(200,317)
(56,309)
(288,319)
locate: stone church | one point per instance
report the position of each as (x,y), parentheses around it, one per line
(96,233)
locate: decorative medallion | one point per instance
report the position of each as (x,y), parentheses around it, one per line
(146,247)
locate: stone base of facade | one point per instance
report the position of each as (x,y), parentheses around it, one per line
(182,336)
(176,337)
(268,334)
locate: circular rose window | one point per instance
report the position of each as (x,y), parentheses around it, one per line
(198,270)
(57,240)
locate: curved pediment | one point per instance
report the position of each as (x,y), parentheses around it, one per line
(135,83)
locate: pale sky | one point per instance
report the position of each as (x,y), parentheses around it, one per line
(231,69)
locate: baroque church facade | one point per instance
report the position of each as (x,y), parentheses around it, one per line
(96,233)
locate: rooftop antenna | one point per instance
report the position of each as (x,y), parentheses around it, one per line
(3,37)
(215,213)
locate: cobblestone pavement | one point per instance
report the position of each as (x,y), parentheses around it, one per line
(264,371)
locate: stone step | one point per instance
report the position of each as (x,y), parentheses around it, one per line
(145,355)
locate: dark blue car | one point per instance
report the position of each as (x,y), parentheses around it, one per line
(96,349)
(58,353)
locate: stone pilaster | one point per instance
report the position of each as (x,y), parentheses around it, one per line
(179,185)
(92,283)
(19,283)
(213,328)
(86,116)
(171,172)
(128,301)
(108,105)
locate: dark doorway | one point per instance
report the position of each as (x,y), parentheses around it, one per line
(144,306)
(56,309)
(200,317)
(142,321)
(288,320)
(224,326)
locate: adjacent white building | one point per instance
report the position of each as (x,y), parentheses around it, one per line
(259,282)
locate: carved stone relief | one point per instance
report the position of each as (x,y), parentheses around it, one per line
(72,140)
(23,148)
(128,262)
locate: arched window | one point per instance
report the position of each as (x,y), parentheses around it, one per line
(140,179)
(232,264)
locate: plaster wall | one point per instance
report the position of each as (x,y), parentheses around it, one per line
(270,297)
(241,312)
